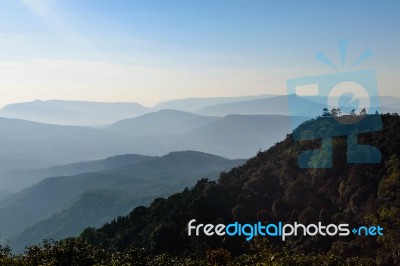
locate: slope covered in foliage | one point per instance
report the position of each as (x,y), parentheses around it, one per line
(270,188)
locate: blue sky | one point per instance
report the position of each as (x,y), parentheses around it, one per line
(149,51)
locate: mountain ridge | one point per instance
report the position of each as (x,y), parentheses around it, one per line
(138,182)
(271,187)
(64,112)
(23,141)
(153,123)
(15,180)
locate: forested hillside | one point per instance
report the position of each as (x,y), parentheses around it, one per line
(271,187)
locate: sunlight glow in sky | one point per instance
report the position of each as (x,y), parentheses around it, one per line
(148,51)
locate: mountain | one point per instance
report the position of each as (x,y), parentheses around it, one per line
(389,101)
(231,136)
(389,109)
(93,207)
(83,113)
(237,134)
(26,144)
(164,123)
(72,112)
(32,145)
(15,180)
(277,105)
(135,183)
(270,188)
(195,104)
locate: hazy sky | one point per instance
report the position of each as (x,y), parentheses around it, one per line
(148,51)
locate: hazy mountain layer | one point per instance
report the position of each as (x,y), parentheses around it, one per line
(27,145)
(195,104)
(134,183)
(161,123)
(81,113)
(279,105)
(84,113)
(15,180)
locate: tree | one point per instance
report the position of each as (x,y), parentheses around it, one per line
(334,112)
(363,111)
(326,112)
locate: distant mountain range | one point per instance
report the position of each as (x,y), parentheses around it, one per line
(26,144)
(195,104)
(161,123)
(15,180)
(78,113)
(279,105)
(73,199)
(81,113)
(32,145)
(231,136)
(272,106)
(29,145)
